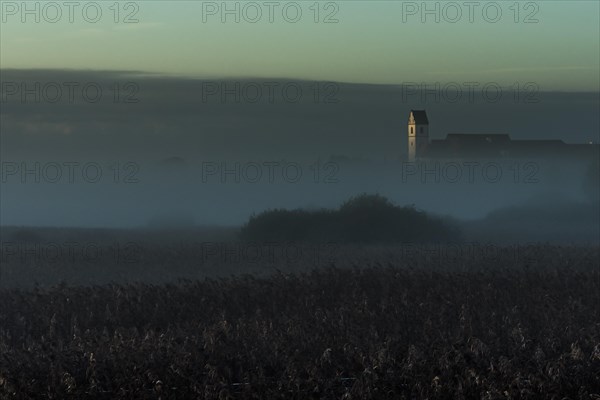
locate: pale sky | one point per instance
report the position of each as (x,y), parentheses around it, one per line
(371,42)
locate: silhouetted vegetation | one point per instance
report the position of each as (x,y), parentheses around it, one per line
(493,331)
(362,219)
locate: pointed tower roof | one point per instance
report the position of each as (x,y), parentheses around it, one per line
(420,117)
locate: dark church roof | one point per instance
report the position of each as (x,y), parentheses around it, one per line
(420,117)
(469,145)
(460,145)
(479,138)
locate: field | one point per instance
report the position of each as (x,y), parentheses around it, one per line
(370,323)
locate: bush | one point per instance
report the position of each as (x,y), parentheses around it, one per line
(362,219)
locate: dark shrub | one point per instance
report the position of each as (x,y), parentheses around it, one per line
(294,225)
(362,219)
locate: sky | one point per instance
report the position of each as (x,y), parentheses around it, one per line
(552,43)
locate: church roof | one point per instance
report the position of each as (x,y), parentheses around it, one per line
(479,138)
(495,145)
(420,117)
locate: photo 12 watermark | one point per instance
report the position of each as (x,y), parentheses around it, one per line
(266,253)
(68,172)
(70,12)
(269,172)
(448,254)
(72,252)
(269,92)
(253,12)
(470,172)
(36,92)
(469,92)
(453,12)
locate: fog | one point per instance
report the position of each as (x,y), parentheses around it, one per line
(165,151)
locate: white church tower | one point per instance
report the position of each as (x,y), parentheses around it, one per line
(418,134)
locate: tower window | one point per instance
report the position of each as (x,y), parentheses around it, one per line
(412,130)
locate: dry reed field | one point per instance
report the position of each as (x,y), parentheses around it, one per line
(445,325)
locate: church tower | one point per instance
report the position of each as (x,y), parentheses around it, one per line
(418,134)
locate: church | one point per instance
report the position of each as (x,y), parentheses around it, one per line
(488,146)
